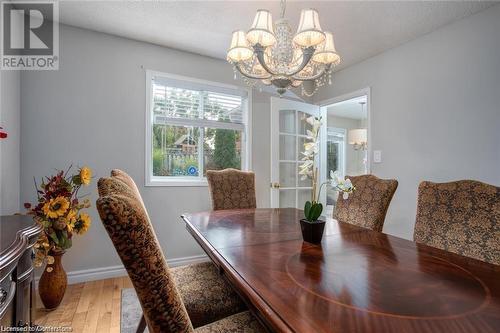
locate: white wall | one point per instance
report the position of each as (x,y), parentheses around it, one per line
(435,109)
(10,114)
(92,112)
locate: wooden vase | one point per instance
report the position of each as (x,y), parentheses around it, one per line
(52,285)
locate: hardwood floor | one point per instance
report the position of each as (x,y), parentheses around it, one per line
(87,307)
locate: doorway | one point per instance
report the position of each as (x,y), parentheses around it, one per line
(288,135)
(347,139)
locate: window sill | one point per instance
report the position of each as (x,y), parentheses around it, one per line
(180,182)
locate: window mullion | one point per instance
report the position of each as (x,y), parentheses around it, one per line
(201,162)
(196,122)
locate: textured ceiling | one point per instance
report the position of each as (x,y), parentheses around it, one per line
(361,29)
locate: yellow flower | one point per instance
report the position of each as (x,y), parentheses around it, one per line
(71,215)
(83,223)
(85,175)
(70,226)
(56,207)
(71,219)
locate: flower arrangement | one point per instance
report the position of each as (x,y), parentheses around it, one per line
(3,134)
(308,169)
(59,211)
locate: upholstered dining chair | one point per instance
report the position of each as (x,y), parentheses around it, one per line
(368,204)
(192,298)
(231,189)
(462,217)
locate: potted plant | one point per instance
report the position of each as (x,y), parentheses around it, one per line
(312,228)
(59,211)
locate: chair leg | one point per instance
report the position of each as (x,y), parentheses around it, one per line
(142,325)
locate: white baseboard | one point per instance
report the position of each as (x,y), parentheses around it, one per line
(93,274)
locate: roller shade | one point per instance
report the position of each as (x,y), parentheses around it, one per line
(181,100)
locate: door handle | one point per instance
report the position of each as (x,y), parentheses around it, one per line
(275,185)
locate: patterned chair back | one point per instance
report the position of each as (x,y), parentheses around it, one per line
(231,189)
(462,217)
(368,204)
(127,223)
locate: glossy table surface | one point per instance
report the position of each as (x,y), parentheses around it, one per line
(358,280)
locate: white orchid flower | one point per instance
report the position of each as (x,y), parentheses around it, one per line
(335,178)
(310,120)
(307,164)
(311,149)
(340,184)
(309,146)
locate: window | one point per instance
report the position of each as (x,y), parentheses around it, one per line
(193,126)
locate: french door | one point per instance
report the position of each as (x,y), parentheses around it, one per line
(288,134)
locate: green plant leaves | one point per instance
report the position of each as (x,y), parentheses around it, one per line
(312,211)
(307,209)
(54,237)
(316,210)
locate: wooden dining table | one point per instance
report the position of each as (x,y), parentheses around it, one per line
(357,280)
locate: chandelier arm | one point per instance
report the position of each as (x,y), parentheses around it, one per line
(249,75)
(259,52)
(314,77)
(307,54)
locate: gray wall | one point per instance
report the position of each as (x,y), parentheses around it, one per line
(92,112)
(435,110)
(10,114)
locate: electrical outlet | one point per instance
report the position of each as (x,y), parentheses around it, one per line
(377,156)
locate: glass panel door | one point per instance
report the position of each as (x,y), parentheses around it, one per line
(288,133)
(335,159)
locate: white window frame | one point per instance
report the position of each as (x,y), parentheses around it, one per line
(246,140)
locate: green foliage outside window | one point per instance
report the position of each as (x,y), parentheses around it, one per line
(225,155)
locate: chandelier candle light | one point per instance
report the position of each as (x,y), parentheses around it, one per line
(272,55)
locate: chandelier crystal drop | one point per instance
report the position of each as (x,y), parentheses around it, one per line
(270,54)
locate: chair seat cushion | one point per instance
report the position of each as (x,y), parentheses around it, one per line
(206,295)
(242,322)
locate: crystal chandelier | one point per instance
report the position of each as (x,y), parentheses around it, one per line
(272,55)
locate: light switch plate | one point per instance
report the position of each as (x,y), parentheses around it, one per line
(377,156)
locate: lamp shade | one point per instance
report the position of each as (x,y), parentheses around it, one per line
(239,50)
(326,53)
(357,136)
(309,31)
(262,31)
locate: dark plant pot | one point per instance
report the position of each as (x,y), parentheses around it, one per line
(312,232)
